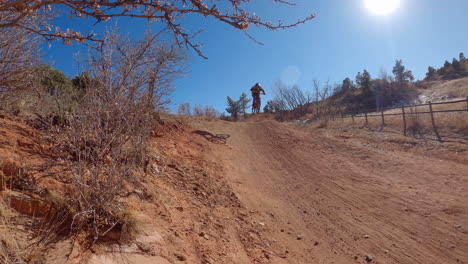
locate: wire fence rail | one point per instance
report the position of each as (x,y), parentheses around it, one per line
(402,111)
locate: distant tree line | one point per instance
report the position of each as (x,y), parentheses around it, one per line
(449,71)
(363,93)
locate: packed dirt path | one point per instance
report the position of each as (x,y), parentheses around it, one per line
(326,199)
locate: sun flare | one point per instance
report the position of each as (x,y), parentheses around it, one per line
(382,7)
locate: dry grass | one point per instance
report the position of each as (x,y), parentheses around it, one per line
(418,123)
(10,250)
(449,89)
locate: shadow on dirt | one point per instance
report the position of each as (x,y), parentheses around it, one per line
(216,139)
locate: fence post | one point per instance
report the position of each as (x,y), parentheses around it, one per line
(366,117)
(433,122)
(352,116)
(404,120)
(467,103)
(342,117)
(383,120)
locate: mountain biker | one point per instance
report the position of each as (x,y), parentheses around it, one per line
(256,90)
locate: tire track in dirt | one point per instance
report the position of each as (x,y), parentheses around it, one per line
(337,201)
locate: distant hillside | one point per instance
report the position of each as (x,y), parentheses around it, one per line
(367,93)
(442,90)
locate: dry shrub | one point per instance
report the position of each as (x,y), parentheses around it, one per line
(103,144)
(414,123)
(207,111)
(184,109)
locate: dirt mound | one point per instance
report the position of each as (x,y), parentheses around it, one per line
(186,210)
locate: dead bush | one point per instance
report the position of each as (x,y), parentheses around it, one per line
(184,109)
(207,111)
(104,142)
(414,123)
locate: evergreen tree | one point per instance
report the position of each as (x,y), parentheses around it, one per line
(431,74)
(244,103)
(234,108)
(83,82)
(401,74)
(447,65)
(364,82)
(269,107)
(456,65)
(55,82)
(461,57)
(347,84)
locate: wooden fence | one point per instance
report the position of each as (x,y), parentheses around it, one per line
(383,112)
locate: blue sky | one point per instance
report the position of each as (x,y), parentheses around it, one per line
(343,39)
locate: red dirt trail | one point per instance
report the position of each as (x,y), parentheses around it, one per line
(325,199)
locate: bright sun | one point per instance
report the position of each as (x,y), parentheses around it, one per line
(382,7)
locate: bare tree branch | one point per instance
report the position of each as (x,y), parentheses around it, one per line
(20,13)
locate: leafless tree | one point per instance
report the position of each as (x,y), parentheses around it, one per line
(291,98)
(184,109)
(18,55)
(211,112)
(207,111)
(198,110)
(321,93)
(22,13)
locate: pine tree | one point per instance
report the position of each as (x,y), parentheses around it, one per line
(364,82)
(447,65)
(456,65)
(269,107)
(244,103)
(461,57)
(401,74)
(234,108)
(347,84)
(431,74)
